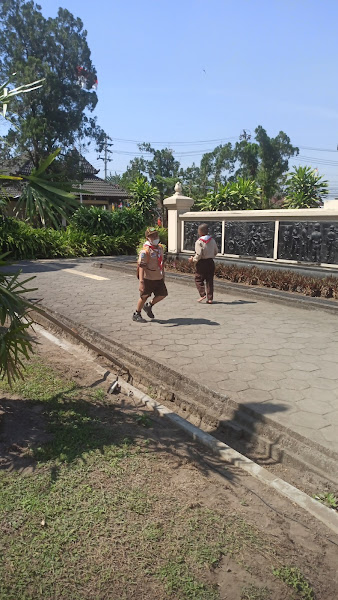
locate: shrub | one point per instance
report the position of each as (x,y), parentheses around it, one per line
(25,242)
(97,221)
(286,281)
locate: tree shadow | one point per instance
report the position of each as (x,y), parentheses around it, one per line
(65,430)
(34,267)
(70,427)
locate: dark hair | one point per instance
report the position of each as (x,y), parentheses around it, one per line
(203,229)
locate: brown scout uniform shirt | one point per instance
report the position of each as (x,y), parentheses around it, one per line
(205,250)
(148,260)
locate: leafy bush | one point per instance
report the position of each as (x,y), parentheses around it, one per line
(305,188)
(144,198)
(97,221)
(243,194)
(287,281)
(15,341)
(25,242)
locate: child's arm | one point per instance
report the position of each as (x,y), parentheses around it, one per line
(198,252)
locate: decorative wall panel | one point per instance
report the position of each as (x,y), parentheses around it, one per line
(250,238)
(191,233)
(308,241)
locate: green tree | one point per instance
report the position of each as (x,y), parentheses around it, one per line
(144,198)
(162,170)
(215,167)
(191,181)
(242,194)
(34,47)
(273,161)
(305,188)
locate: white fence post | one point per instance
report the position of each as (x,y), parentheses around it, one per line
(176,205)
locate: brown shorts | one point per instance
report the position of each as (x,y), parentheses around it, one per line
(156,287)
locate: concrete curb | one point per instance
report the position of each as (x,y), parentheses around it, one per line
(269,295)
(219,449)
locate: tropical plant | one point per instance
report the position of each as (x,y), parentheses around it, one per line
(26,242)
(96,221)
(43,200)
(305,188)
(242,194)
(143,198)
(15,341)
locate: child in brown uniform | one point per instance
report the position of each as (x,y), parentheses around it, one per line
(151,275)
(205,251)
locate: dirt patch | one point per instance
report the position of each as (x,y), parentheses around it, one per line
(117,503)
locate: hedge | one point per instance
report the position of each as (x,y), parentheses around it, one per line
(286,281)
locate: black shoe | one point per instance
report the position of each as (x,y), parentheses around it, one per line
(148,309)
(137,317)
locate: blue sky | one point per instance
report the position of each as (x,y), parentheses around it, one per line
(190,70)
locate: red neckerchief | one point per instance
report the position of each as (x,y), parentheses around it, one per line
(205,241)
(157,249)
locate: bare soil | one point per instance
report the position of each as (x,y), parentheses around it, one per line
(195,515)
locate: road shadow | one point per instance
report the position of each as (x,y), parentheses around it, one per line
(34,267)
(183,321)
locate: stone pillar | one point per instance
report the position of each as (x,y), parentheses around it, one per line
(176,205)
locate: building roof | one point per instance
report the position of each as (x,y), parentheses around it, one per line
(99,187)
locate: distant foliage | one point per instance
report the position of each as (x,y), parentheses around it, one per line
(243,194)
(97,221)
(305,188)
(25,242)
(144,198)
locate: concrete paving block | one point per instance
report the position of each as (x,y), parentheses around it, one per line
(330,433)
(252,395)
(332,417)
(305,419)
(242,375)
(272,375)
(321,395)
(290,396)
(264,384)
(314,406)
(233,386)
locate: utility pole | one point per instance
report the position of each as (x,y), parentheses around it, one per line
(105,158)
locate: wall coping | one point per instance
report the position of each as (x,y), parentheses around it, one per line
(283,214)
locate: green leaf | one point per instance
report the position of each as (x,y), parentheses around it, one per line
(45,163)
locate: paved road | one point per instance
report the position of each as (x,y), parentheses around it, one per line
(281,360)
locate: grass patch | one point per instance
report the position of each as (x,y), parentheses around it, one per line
(293,577)
(88,523)
(252,592)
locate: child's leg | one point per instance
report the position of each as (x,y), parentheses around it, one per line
(141,303)
(210,281)
(157,299)
(199,280)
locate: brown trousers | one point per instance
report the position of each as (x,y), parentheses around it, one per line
(204,277)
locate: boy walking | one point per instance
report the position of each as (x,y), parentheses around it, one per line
(151,275)
(205,252)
